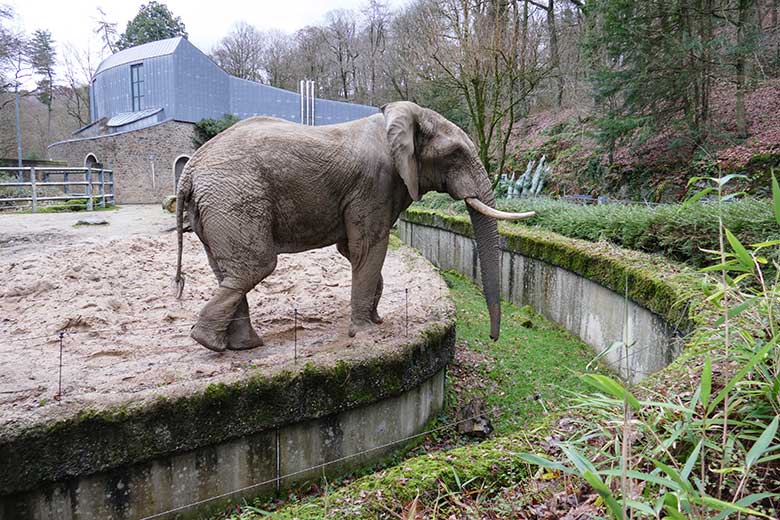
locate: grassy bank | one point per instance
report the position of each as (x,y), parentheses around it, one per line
(678,232)
(522,378)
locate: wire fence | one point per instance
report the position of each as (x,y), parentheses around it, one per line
(323,465)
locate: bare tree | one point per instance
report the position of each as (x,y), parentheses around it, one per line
(476,44)
(78,71)
(240,53)
(107,31)
(277,60)
(377,19)
(340,35)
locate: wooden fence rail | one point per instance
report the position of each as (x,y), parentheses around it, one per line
(98,183)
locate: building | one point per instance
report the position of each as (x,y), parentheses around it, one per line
(145,100)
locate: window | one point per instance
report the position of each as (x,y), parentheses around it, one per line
(137,85)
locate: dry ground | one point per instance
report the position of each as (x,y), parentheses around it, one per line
(126,336)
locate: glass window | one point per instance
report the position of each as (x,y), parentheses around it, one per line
(137,85)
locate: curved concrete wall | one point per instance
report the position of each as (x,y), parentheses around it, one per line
(279,458)
(597,315)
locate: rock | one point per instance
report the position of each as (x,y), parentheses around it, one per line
(91,222)
(474,422)
(169,203)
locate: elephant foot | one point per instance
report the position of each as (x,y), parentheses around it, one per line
(212,339)
(356,326)
(376,318)
(245,339)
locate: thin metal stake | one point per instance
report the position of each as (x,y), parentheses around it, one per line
(406,291)
(59,387)
(295,334)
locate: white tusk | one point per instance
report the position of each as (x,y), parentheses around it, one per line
(495,213)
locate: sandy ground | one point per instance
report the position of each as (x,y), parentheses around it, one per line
(109,288)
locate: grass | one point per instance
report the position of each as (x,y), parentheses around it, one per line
(534,364)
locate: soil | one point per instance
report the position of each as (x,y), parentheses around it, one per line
(126,337)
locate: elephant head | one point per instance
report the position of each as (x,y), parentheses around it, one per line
(431,153)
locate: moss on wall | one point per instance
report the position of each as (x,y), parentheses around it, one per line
(100,440)
(661,286)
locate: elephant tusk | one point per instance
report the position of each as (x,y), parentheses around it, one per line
(495,213)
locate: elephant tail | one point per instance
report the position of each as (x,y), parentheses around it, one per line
(182,196)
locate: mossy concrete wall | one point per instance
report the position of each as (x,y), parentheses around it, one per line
(598,315)
(274,459)
(131,462)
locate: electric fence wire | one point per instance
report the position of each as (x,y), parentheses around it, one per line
(311,468)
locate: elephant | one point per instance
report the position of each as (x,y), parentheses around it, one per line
(267,186)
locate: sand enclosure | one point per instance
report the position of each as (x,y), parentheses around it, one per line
(109,288)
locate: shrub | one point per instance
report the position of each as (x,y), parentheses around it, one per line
(207,128)
(673,230)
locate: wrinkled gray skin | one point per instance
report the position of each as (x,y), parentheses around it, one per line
(267,186)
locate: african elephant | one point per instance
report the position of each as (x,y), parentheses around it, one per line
(268,186)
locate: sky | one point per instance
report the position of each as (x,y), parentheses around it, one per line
(73,21)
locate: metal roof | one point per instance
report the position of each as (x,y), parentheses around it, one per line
(141,52)
(130,117)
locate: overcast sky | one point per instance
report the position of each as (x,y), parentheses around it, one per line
(73,21)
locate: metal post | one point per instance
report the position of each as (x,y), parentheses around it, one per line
(102,180)
(313,97)
(308,102)
(66,178)
(303,96)
(89,189)
(111,180)
(59,385)
(33,189)
(18,133)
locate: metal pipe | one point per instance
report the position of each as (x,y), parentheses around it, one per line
(308,101)
(313,99)
(300,93)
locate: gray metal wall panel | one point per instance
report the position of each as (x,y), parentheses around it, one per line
(113,89)
(202,88)
(248,98)
(327,112)
(189,86)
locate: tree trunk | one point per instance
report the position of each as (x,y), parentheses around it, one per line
(740,69)
(555,58)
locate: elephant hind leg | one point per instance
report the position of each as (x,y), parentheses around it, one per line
(240,333)
(224,322)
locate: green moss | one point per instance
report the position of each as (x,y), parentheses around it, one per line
(370,496)
(97,440)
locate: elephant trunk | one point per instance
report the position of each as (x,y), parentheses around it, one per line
(486,234)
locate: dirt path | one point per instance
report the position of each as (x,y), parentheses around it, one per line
(127,337)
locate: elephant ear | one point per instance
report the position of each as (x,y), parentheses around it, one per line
(400,124)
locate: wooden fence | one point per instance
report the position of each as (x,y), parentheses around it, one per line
(97,183)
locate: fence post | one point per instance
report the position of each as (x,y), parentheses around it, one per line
(66,178)
(113,192)
(102,180)
(89,189)
(33,189)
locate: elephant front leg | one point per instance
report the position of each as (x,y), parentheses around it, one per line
(343,248)
(366,285)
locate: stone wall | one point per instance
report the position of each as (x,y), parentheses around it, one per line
(137,178)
